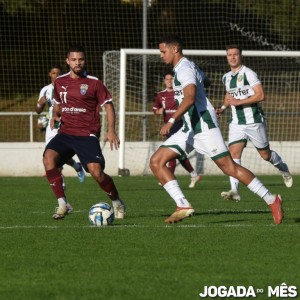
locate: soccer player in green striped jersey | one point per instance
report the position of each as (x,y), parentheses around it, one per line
(244,93)
(200,132)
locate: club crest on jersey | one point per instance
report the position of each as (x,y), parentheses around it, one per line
(240,78)
(83,89)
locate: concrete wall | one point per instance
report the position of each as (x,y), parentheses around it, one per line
(25,159)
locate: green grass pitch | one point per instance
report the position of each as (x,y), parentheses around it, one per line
(224,243)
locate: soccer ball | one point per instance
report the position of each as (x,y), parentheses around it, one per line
(101,214)
(42,122)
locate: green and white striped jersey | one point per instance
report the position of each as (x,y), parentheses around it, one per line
(201,114)
(48,91)
(239,85)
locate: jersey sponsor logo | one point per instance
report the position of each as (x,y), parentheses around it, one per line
(178,92)
(239,92)
(73,109)
(83,89)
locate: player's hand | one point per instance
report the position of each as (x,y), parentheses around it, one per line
(113,139)
(219,111)
(165,130)
(233,101)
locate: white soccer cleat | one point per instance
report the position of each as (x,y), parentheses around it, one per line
(288,179)
(231,195)
(194,181)
(119,209)
(60,212)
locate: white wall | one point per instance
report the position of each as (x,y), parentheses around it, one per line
(25,159)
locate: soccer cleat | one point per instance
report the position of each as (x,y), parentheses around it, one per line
(69,208)
(288,179)
(231,195)
(194,180)
(119,209)
(80,173)
(276,208)
(180,214)
(60,213)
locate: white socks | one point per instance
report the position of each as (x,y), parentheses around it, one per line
(173,189)
(62,202)
(234,183)
(258,188)
(194,174)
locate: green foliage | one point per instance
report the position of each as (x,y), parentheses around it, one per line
(140,257)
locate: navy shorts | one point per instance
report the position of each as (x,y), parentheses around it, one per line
(87,148)
(176,126)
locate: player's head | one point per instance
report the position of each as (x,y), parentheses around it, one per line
(234,55)
(168,79)
(170,47)
(54,72)
(76,59)
(172,40)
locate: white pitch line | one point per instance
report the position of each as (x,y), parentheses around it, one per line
(117,226)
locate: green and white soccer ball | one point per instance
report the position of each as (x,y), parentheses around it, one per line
(101,214)
(43,122)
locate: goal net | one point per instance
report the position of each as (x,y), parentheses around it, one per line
(134,76)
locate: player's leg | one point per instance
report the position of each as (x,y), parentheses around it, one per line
(206,142)
(274,158)
(186,164)
(55,178)
(259,137)
(56,151)
(78,168)
(229,167)
(236,150)
(172,165)
(158,166)
(237,141)
(107,184)
(89,152)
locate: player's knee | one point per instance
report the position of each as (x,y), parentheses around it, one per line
(48,158)
(154,162)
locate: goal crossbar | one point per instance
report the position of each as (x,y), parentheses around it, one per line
(124,52)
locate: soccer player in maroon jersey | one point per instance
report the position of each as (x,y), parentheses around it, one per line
(78,100)
(165,104)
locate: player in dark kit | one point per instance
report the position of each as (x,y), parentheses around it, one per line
(78,98)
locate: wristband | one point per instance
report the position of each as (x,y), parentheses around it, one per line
(171,120)
(223,107)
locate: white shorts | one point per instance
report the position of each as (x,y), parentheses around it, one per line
(256,133)
(50,134)
(209,142)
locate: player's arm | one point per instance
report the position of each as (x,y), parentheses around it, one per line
(157,106)
(158,111)
(189,98)
(220,110)
(56,114)
(40,104)
(111,135)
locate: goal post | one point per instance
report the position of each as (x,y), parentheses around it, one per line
(278,71)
